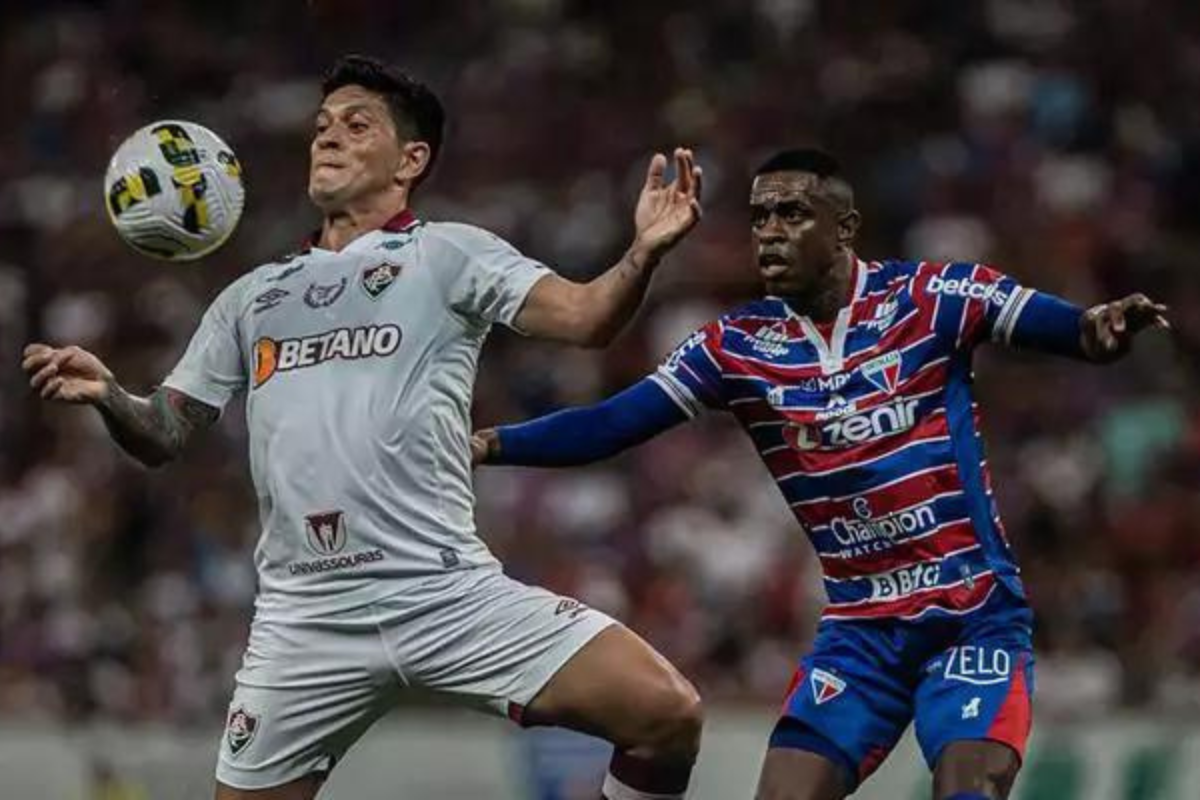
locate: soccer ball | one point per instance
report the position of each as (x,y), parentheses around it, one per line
(174,191)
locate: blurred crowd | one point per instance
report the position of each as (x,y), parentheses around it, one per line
(1057,140)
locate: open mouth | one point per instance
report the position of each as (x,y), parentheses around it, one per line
(772,265)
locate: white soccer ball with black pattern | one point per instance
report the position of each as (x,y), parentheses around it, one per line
(174,191)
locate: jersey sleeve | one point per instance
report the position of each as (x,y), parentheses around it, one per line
(691,375)
(212,368)
(487,278)
(974,303)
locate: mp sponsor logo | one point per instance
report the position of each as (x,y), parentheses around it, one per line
(904,581)
(348,561)
(825,686)
(968,289)
(283,355)
(865,533)
(977,665)
(847,431)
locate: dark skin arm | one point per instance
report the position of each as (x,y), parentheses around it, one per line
(153,429)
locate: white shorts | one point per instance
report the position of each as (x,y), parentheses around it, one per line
(308,690)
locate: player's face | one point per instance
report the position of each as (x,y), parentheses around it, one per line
(795,231)
(355,152)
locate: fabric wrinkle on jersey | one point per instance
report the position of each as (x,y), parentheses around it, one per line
(358,368)
(871,433)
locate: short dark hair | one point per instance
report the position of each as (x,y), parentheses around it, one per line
(416,111)
(815,162)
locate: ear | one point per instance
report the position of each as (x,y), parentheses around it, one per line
(847,227)
(414,160)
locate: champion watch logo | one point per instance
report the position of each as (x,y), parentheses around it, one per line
(826,686)
(884,372)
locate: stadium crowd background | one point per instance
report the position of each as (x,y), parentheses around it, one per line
(1057,140)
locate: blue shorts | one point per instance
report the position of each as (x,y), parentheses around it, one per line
(958,678)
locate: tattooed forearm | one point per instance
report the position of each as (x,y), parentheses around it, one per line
(153,429)
(616,295)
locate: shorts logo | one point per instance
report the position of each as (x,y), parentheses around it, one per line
(240,729)
(826,686)
(317,296)
(970,710)
(884,372)
(980,666)
(269,299)
(326,532)
(281,355)
(376,280)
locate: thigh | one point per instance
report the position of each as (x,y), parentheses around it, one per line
(979,691)
(305,788)
(303,696)
(975,768)
(615,687)
(854,694)
(487,641)
(789,774)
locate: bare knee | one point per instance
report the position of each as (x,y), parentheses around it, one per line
(672,722)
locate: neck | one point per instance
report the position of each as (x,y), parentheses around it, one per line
(829,295)
(343,226)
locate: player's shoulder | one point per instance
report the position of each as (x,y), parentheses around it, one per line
(462,236)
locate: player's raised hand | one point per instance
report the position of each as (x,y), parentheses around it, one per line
(1108,329)
(667,211)
(67,374)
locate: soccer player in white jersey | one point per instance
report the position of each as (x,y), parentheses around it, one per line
(358,357)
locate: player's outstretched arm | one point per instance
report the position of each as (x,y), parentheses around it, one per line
(1107,331)
(152,429)
(592,314)
(581,435)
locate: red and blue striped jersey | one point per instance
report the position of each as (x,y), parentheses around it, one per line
(870,430)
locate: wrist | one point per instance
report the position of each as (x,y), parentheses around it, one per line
(642,255)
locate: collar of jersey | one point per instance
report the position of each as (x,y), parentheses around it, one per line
(397,224)
(832,353)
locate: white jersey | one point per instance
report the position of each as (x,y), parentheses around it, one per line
(359,367)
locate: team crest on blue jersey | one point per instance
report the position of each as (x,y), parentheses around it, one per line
(826,686)
(884,372)
(376,280)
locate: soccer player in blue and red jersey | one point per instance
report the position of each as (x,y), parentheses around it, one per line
(853,380)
